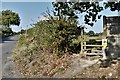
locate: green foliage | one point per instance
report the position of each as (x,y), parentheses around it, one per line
(73,9)
(0,18)
(10,18)
(90,9)
(54,36)
(0,32)
(22,31)
(91,33)
(7,18)
(6,31)
(113,5)
(22,40)
(57,35)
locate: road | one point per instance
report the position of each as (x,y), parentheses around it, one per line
(8,67)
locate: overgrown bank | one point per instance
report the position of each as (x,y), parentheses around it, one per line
(46,49)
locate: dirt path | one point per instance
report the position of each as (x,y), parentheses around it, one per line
(77,65)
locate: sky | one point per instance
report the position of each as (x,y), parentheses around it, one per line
(30,11)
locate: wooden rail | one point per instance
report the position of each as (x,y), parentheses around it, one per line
(96,37)
(91,54)
(93,45)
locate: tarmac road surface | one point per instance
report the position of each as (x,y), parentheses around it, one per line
(8,68)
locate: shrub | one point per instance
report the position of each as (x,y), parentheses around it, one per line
(36,44)
(54,36)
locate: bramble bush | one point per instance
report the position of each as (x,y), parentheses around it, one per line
(49,43)
(55,36)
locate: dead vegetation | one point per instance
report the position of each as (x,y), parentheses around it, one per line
(41,55)
(43,65)
(95,71)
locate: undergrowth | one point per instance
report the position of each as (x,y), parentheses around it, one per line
(45,49)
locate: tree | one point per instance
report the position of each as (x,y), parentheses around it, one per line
(6,19)
(91,33)
(114,5)
(73,9)
(0,18)
(10,18)
(91,9)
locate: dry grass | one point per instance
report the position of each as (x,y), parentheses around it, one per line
(41,64)
(96,71)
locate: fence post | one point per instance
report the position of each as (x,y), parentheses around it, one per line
(85,45)
(81,52)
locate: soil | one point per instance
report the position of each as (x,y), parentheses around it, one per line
(77,65)
(96,71)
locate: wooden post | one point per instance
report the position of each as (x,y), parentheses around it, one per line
(85,45)
(81,52)
(105,34)
(108,31)
(104,26)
